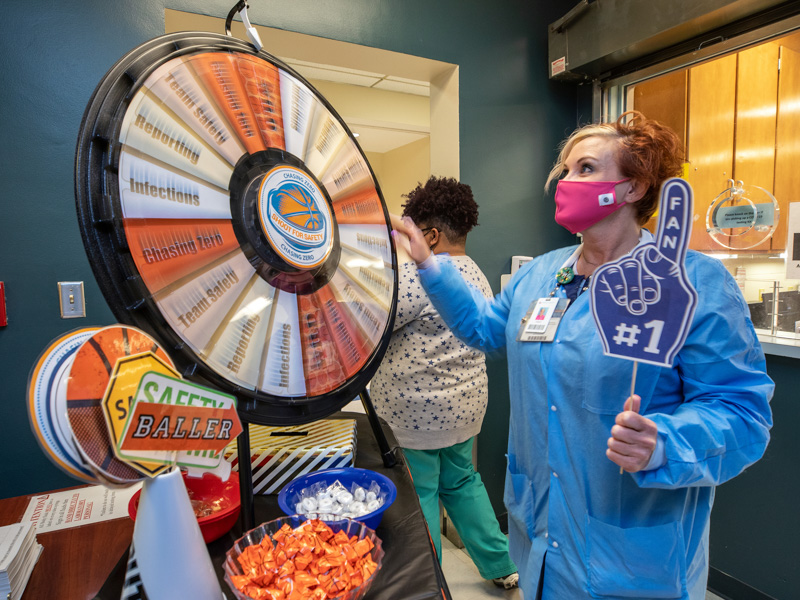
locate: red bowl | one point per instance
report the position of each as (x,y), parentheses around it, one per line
(209,489)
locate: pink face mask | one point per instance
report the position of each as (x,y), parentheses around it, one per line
(581,204)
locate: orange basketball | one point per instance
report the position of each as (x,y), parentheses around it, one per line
(88,379)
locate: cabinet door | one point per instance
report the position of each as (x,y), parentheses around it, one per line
(787,154)
(664,100)
(710,133)
(756,108)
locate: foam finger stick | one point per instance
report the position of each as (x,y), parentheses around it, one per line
(643,303)
(633,387)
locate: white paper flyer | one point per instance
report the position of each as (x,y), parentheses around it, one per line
(81,506)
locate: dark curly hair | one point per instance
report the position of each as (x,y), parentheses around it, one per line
(648,152)
(444,203)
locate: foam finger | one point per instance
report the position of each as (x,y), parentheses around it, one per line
(612,282)
(674,219)
(632,274)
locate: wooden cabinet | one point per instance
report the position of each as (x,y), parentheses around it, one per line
(756,109)
(737,115)
(754,150)
(710,136)
(664,99)
(787,152)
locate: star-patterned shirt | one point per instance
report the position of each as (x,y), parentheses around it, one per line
(430,387)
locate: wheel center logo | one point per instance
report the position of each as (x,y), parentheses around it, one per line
(295,217)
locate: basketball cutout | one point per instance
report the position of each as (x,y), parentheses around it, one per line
(89,377)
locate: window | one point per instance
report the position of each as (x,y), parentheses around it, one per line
(738,114)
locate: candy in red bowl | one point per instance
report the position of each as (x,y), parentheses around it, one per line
(216,503)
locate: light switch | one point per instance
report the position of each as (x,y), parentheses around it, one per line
(72,303)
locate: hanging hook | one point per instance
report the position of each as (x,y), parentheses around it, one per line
(241,4)
(241,7)
(737,189)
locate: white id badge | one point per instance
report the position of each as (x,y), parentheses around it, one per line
(542,319)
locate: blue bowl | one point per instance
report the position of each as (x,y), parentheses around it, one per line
(290,495)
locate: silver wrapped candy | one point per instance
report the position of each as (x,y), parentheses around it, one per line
(359,494)
(344,498)
(358,508)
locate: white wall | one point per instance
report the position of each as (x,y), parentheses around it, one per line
(399,171)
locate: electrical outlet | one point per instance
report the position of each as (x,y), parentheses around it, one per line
(72,302)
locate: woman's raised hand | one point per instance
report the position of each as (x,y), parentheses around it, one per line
(409,237)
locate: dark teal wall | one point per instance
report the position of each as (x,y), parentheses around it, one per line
(755,523)
(54,53)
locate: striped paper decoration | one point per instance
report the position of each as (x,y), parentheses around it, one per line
(133,588)
(280,454)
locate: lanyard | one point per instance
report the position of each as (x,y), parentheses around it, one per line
(544,315)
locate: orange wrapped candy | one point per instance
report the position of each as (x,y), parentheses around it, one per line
(304,580)
(363,546)
(341,538)
(306,563)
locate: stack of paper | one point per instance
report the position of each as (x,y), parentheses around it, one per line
(19,552)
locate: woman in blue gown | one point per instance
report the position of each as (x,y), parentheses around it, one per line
(577,527)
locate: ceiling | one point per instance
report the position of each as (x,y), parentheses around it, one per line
(373,136)
(379,131)
(377,81)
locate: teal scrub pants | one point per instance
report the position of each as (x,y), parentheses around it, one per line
(446,474)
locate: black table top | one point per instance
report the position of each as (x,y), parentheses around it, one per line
(410,568)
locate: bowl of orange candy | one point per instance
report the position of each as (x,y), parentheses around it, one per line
(313,561)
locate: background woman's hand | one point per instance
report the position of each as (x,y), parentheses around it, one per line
(633,438)
(409,237)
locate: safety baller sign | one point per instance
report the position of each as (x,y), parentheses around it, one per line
(643,303)
(174,421)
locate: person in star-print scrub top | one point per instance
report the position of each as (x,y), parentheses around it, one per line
(432,389)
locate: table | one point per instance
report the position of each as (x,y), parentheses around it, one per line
(88,562)
(75,562)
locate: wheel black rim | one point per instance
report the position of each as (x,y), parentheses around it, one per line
(227,210)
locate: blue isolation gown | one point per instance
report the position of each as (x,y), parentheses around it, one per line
(606,534)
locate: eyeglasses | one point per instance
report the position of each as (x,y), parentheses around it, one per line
(426,230)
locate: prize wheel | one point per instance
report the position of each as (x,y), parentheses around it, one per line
(227,210)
